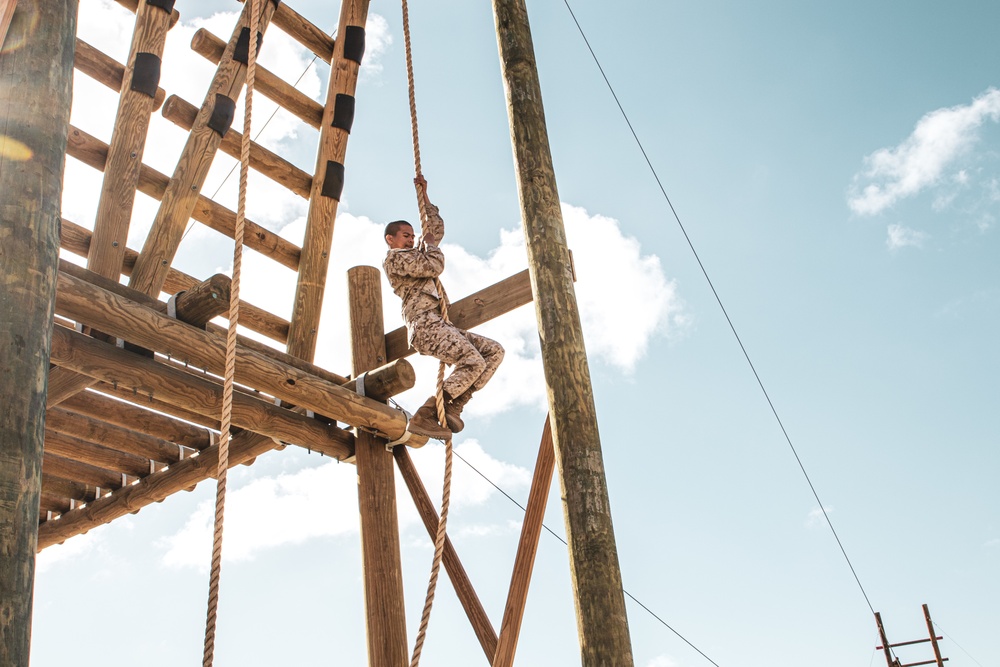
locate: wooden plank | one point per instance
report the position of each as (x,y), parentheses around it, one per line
(475,309)
(93,152)
(382,569)
(66,488)
(35,93)
(105,69)
(149,401)
(597,586)
(83,451)
(326,189)
(181,196)
(91,357)
(76,239)
(281,171)
(119,438)
(527,547)
(128,141)
(113,314)
(244,447)
(128,415)
(269,84)
(452,564)
(304,31)
(84,472)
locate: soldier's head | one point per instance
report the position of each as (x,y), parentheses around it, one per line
(399,234)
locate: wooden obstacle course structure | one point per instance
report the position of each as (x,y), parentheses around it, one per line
(933,639)
(130,412)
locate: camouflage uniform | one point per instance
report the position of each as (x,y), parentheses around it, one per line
(411,273)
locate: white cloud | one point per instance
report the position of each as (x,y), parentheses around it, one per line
(71,549)
(898,236)
(662,661)
(939,139)
(816,517)
(322,502)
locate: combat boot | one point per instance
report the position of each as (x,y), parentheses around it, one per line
(424,421)
(453,410)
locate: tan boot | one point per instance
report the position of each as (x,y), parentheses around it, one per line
(424,421)
(453,410)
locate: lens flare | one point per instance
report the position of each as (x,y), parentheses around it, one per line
(12,149)
(22,26)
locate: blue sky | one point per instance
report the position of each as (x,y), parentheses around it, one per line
(835,167)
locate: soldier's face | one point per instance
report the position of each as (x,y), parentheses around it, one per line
(402,238)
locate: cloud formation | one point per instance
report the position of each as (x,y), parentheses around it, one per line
(925,158)
(899,236)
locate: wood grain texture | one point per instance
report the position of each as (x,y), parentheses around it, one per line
(105,69)
(383,576)
(596,576)
(270,85)
(35,95)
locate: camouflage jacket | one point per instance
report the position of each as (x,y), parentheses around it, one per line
(411,272)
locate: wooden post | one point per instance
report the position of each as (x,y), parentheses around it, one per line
(597,587)
(7,8)
(885,641)
(35,96)
(383,574)
(527,547)
(328,180)
(933,635)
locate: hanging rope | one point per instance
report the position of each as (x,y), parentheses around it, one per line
(234,316)
(442,533)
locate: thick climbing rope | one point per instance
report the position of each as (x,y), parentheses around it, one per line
(442,534)
(234,316)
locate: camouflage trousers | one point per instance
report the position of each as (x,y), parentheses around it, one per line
(474,357)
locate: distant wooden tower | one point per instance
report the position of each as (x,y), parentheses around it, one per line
(105,375)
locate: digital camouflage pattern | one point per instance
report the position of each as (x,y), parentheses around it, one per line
(412,273)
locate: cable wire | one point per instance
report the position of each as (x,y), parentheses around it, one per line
(565,543)
(952,640)
(718,300)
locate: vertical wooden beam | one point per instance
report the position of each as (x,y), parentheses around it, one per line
(453,566)
(527,547)
(885,641)
(181,196)
(35,98)
(128,140)
(600,603)
(383,575)
(328,180)
(933,635)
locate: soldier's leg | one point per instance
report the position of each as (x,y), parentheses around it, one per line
(441,340)
(492,353)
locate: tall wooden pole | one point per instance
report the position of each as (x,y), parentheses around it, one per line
(597,587)
(383,573)
(35,95)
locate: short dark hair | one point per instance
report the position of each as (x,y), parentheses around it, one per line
(393,227)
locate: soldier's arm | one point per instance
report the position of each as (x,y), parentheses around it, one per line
(427,263)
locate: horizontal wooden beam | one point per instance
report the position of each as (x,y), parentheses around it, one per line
(147,400)
(84,473)
(66,488)
(117,437)
(83,451)
(99,360)
(121,317)
(104,69)
(304,31)
(154,488)
(93,152)
(183,114)
(473,310)
(269,84)
(76,239)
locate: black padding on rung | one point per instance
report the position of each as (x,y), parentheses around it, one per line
(242,52)
(343,112)
(165,5)
(354,43)
(222,114)
(146,73)
(333,182)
